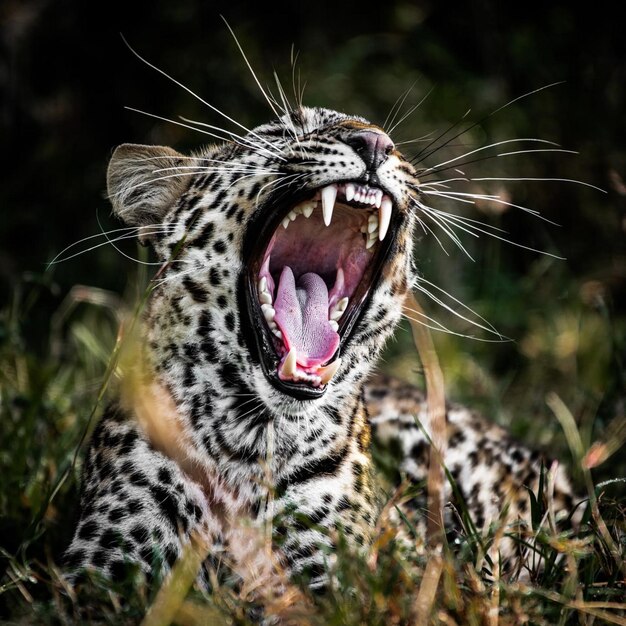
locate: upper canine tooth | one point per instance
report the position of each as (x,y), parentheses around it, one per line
(329,195)
(326,373)
(384,217)
(349,191)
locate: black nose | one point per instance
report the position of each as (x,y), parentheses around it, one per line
(372,146)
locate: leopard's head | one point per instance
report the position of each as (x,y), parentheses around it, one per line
(287,254)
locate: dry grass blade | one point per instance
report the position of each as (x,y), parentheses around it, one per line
(435,396)
(425,599)
(172,593)
(596,609)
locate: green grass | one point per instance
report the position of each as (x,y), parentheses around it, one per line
(560,389)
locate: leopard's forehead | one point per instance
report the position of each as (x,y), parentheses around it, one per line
(307,120)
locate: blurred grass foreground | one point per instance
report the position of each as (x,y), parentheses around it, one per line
(558,382)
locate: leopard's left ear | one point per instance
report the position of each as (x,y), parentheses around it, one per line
(144,182)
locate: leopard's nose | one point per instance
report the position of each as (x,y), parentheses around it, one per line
(373,146)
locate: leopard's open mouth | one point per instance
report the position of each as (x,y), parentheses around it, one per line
(310,271)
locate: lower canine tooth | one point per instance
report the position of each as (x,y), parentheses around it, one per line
(289,365)
(326,373)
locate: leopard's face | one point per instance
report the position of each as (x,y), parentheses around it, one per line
(288,255)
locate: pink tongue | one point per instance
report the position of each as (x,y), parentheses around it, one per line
(302,316)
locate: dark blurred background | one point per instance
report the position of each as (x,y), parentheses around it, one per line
(66,77)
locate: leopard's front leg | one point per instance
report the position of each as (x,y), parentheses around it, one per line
(331,496)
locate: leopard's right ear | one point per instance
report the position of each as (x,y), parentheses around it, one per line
(143,182)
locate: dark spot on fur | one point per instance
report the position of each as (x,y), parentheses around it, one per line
(88,530)
(229,320)
(197,292)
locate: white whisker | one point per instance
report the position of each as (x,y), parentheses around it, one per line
(212,107)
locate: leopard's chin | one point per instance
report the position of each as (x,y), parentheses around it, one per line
(312,261)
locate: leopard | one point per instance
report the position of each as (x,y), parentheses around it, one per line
(286,254)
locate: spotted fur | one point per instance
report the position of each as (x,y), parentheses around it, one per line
(201,442)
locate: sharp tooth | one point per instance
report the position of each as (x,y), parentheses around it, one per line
(342,305)
(349,191)
(292,215)
(278,334)
(335,315)
(289,365)
(307,210)
(370,242)
(329,195)
(265,298)
(263,285)
(334,325)
(384,217)
(326,373)
(372,223)
(268,312)
(285,222)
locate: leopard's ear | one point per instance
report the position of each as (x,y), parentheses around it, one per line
(143,182)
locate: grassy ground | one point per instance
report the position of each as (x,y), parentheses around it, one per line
(562,392)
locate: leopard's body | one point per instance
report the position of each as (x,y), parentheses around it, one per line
(204,441)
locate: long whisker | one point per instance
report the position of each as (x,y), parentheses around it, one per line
(452,195)
(410,111)
(244,141)
(245,58)
(421,156)
(130,258)
(438,220)
(397,105)
(195,95)
(541,179)
(482,149)
(432,212)
(60,259)
(452,332)
(486,326)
